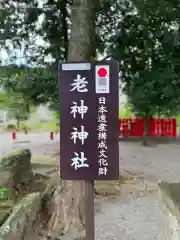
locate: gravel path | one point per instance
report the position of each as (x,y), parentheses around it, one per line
(162,161)
(38,143)
(140,218)
(144,218)
(133,219)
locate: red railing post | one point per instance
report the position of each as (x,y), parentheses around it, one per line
(14,135)
(51,135)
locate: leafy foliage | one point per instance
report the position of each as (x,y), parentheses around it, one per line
(23,21)
(3,99)
(142,35)
(147,46)
(18,107)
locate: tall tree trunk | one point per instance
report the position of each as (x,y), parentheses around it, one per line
(63,6)
(18,122)
(145,141)
(67,199)
(147,117)
(82,30)
(159,112)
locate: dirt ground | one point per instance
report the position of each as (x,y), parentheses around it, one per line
(141,168)
(160,160)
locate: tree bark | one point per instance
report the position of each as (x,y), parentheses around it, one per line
(67,198)
(145,141)
(147,117)
(82,30)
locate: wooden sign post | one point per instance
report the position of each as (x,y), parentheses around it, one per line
(89,211)
(89,109)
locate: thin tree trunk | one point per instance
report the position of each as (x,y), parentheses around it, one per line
(67,200)
(145,137)
(63,7)
(18,123)
(159,112)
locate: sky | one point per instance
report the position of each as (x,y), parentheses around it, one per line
(3,55)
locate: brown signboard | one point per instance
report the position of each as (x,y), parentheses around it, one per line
(89,120)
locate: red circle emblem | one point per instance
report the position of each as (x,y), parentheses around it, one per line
(102,72)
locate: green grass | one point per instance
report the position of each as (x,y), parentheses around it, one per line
(50,125)
(178,120)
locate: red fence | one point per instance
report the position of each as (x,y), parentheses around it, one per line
(156,127)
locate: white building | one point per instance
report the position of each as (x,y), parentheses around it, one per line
(3,116)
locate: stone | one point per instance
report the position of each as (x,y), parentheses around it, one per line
(23,215)
(169,193)
(16,173)
(5,210)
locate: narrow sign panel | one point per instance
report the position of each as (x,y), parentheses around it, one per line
(76,66)
(102,79)
(89,121)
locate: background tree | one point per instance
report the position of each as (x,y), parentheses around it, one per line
(19,109)
(16,105)
(143,36)
(3,99)
(23,22)
(147,45)
(68,197)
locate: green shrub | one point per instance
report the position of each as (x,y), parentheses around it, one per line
(24,127)
(11,127)
(51,125)
(178,120)
(125,112)
(35,124)
(3,194)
